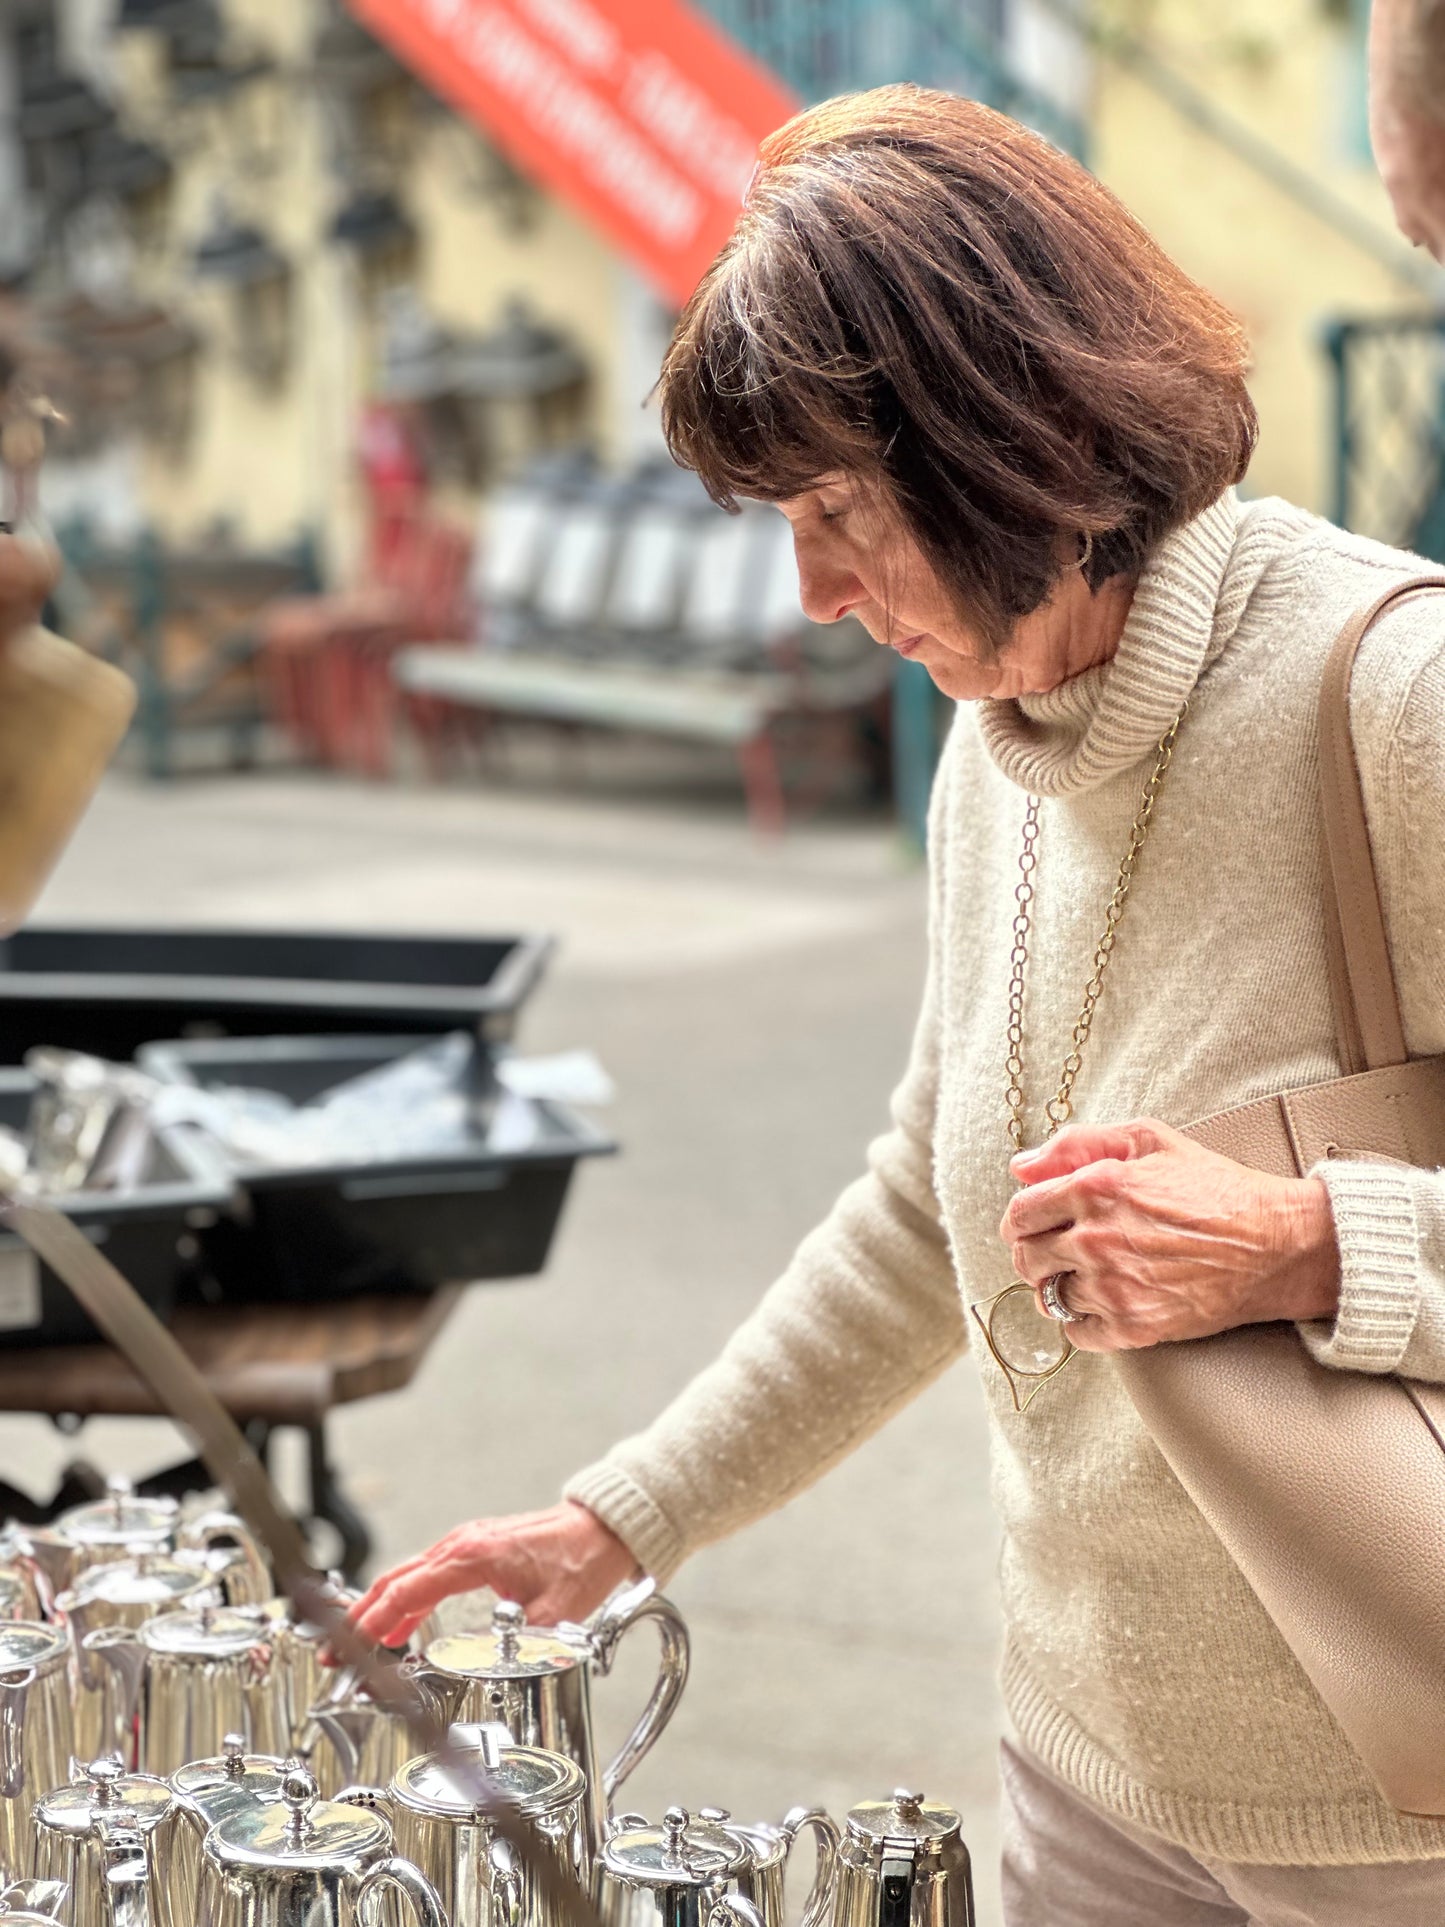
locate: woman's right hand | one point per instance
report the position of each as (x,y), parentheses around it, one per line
(558,1564)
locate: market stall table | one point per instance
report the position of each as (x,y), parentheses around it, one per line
(271,1365)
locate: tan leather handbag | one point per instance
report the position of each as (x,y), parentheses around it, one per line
(1327,1488)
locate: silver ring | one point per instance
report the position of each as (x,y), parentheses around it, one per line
(1052,1295)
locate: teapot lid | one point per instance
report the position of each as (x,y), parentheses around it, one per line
(119,1517)
(511,1650)
(907,1818)
(149,1576)
(231,1776)
(528,1777)
(298,1831)
(208,1632)
(26,1643)
(682,1852)
(106,1789)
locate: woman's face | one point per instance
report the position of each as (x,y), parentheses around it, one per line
(855,559)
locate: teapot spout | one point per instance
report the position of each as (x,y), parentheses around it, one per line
(125,1657)
(14,1697)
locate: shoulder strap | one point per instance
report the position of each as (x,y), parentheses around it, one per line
(1367,1004)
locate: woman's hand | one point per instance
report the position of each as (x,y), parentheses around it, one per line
(559,1564)
(1158,1238)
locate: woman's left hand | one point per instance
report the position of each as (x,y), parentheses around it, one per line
(1158,1238)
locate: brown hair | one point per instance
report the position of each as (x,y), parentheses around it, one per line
(927,296)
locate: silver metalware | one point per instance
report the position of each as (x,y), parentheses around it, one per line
(183,1681)
(537,1682)
(305,1862)
(37,1735)
(207,1792)
(24,1591)
(302,1680)
(122,1523)
(770,1849)
(439,1827)
(903,1863)
(352,1740)
(686,1873)
(26,1901)
(101,1835)
(125,1592)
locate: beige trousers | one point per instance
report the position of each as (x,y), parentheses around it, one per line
(1066,1864)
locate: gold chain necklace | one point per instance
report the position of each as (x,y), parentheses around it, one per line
(1027,1361)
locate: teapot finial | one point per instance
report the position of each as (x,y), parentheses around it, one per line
(909,1805)
(674,1832)
(233,1750)
(103,1775)
(508,1620)
(118,1488)
(298,1790)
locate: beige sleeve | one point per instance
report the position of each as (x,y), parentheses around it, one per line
(1390,1218)
(867,1314)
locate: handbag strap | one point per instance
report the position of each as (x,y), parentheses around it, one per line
(1368,1024)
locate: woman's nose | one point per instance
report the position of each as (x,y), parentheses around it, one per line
(826,591)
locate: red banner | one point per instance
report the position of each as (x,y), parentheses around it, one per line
(641,114)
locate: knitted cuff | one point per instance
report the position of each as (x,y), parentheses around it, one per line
(1374,1211)
(622,1505)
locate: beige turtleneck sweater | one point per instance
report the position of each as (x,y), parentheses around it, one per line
(1138,1665)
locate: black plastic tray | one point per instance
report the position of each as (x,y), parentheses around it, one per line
(151,1233)
(409,1224)
(108,991)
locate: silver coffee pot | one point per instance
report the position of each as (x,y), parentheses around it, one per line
(207,1792)
(770,1849)
(37,1736)
(903,1863)
(181,1682)
(301,1861)
(689,1872)
(437,1825)
(117,1526)
(537,1682)
(102,1836)
(125,1592)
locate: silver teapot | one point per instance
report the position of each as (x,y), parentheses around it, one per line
(183,1681)
(207,1792)
(301,1861)
(117,1526)
(125,1592)
(101,1835)
(351,1739)
(24,1591)
(437,1825)
(537,1682)
(37,1735)
(903,1863)
(770,1849)
(686,1873)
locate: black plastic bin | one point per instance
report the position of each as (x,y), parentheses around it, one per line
(149,1232)
(405,1225)
(108,991)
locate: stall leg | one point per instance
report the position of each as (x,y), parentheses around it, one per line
(328,1502)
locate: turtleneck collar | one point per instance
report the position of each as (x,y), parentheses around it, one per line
(1187,606)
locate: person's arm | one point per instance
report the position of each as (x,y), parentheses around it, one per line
(867,1314)
(1407,114)
(1390,1218)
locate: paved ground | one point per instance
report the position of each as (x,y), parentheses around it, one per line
(754,1006)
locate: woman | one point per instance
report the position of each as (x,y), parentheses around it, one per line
(1005,429)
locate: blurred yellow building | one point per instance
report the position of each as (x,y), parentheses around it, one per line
(320,230)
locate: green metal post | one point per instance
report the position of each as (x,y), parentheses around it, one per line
(148,608)
(916,705)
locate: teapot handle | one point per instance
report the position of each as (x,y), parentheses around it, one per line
(506,1882)
(414,1884)
(245,1577)
(125,1876)
(735,1909)
(618,1615)
(829,1839)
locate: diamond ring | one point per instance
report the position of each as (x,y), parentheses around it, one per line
(1051,1293)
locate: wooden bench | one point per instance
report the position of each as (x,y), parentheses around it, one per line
(735,709)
